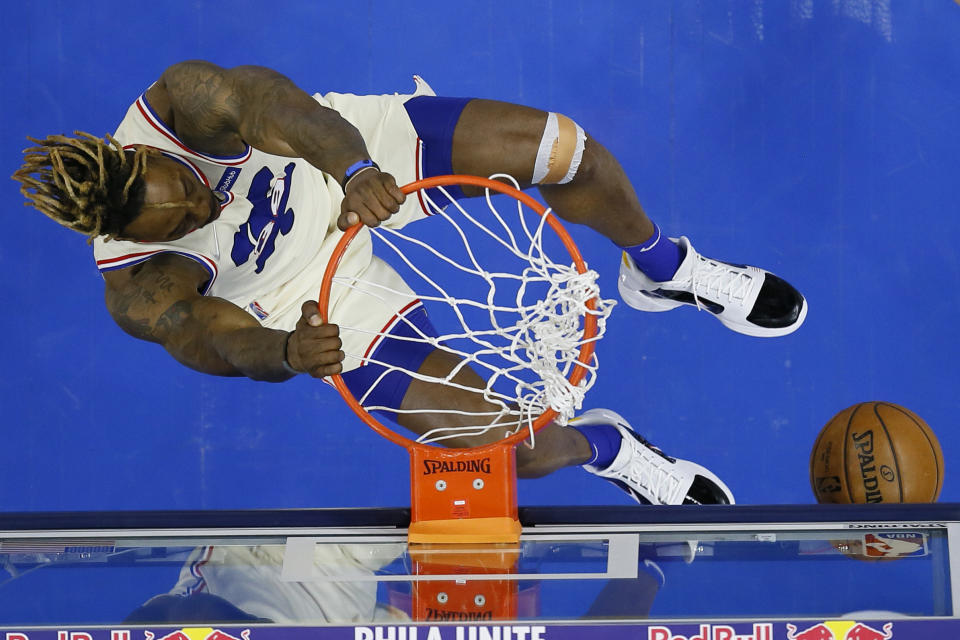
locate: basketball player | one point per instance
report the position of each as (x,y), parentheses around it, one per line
(214,208)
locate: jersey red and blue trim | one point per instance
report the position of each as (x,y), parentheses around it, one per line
(131,259)
(154,120)
(199,582)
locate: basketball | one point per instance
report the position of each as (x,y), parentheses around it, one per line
(876,452)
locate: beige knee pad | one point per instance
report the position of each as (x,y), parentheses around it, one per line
(560,152)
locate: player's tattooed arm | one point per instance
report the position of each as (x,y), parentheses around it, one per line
(159,301)
(217,110)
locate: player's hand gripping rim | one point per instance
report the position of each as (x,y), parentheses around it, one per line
(314,346)
(371,197)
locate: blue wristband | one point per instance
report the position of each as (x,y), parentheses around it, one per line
(357,167)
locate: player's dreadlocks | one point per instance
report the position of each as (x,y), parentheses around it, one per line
(86,184)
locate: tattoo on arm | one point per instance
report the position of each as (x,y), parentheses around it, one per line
(217,109)
(164,282)
(161,303)
(137,303)
(204,110)
(123,305)
(211,101)
(172,319)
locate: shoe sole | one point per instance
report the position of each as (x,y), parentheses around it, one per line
(611,417)
(643,302)
(650,304)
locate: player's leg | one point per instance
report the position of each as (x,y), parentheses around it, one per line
(623,457)
(556,447)
(599,195)
(584,184)
(602,442)
(426,406)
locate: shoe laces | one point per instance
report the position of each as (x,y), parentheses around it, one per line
(649,445)
(656,474)
(715,280)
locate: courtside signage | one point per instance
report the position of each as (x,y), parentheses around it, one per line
(760,631)
(900,629)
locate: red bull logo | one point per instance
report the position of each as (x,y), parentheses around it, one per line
(759,631)
(840,630)
(198,633)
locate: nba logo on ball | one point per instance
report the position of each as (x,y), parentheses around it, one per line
(894,544)
(876,452)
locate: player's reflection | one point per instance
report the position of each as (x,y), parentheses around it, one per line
(195,607)
(245,584)
(222,584)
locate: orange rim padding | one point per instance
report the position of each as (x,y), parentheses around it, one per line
(462,495)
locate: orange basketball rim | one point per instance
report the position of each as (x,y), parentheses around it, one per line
(450,502)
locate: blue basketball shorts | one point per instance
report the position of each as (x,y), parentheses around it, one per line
(408,354)
(434,119)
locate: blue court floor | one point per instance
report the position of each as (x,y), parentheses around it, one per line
(816,138)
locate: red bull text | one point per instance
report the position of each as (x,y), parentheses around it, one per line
(760,631)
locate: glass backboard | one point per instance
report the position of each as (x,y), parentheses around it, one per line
(829,572)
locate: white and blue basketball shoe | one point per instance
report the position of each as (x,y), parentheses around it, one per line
(745,299)
(648,474)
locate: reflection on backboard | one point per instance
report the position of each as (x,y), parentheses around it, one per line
(356,567)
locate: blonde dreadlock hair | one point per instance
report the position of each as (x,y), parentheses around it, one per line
(85,183)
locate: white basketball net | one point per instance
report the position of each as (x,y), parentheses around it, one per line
(522,330)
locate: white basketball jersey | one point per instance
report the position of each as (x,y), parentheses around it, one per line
(250,578)
(267,251)
(275,219)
